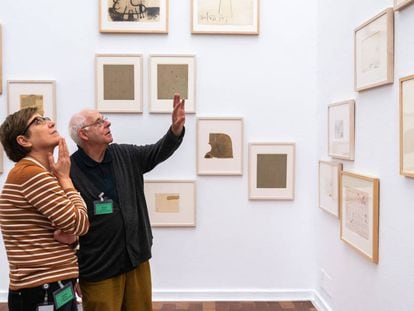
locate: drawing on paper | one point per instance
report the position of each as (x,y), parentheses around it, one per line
(271,171)
(339,129)
(221,146)
(225,12)
(167,202)
(32,100)
(118,82)
(133,10)
(171,79)
(357,211)
(371,52)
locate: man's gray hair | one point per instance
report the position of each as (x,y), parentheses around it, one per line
(77,121)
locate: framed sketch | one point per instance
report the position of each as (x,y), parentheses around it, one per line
(401,4)
(341,130)
(407,126)
(171,203)
(133,16)
(34,93)
(1,61)
(359,210)
(271,171)
(219,146)
(329,174)
(119,83)
(374,51)
(225,17)
(170,74)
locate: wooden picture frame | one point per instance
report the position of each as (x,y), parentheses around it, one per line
(401,4)
(328,180)
(170,74)
(231,17)
(341,130)
(359,213)
(374,51)
(32,93)
(407,126)
(119,83)
(171,203)
(271,171)
(1,60)
(219,146)
(146,16)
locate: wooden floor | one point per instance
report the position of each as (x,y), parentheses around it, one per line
(226,306)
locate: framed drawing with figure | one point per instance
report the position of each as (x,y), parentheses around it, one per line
(119,83)
(225,17)
(359,213)
(401,4)
(329,174)
(171,203)
(32,93)
(341,130)
(133,16)
(374,51)
(407,126)
(271,171)
(219,146)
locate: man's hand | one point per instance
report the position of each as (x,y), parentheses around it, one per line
(178,115)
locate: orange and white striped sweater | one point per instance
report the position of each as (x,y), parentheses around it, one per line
(32,206)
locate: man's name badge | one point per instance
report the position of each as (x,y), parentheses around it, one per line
(63,295)
(103,207)
(45,307)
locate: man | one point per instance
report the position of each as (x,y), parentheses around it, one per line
(113,257)
(38,201)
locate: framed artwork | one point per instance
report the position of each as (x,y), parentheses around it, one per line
(1,159)
(359,210)
(133,16)
(329,175)
(1,61)
(374,51)
(400,4)
(271,171)
(34,93)
(170,74)
(225,17)
(171,203)
(219,146)
(341,130)
(407,126)
(119,83)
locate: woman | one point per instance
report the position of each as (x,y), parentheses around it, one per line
(38,200)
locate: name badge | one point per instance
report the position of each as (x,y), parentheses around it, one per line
(44,307)
(63,295)
(103,207)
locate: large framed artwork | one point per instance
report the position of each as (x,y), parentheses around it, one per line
(171,203)
(359,210)
(341,130)
(133,16)
(119,83)
(1,61)
(329,176)
(401,4)
(374,51)
(271,171)
(219,146)
(170,74)
(34,93)
(407,126)
(225,17)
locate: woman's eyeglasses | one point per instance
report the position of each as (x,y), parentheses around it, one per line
(36,121)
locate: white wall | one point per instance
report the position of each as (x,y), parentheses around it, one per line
(238,246)
(357,284)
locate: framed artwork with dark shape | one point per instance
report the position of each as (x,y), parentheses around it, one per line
(170,74)
(171,203)
(271,171)
(374,51)
(359,213)
(34,93)
(341,130)
(401,4)
(219,146)
(119,83)
(407,126)
(225,17)
(133,16)
(329,176)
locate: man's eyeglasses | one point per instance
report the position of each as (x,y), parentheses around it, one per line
(36,121)
(98,122)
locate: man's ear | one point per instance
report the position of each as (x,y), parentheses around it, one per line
(23,141)
(82,135)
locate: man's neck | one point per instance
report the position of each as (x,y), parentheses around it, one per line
(96,153)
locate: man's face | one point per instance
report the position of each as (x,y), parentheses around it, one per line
(97,129)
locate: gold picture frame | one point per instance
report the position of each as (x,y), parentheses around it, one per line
(407,126)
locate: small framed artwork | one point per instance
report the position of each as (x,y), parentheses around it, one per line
(219,146)
(1,159)
(359,213)
(171,203)
(271,171)
(119,83)
(133,16)
(341,130)
(170,74)
(35,93)
(329,175)
(407,126)
(401,4)
(239,17)
(374,51)
(1,61)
